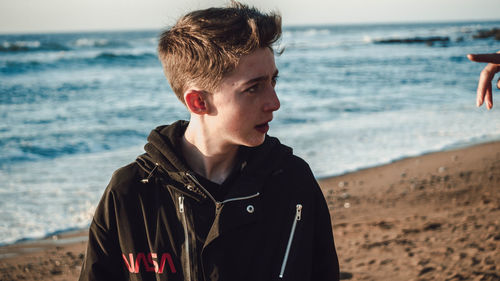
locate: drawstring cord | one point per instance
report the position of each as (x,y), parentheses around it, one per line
(146,180)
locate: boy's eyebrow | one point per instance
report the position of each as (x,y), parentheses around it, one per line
(260,78)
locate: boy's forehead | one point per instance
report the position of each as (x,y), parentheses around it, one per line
(254,65)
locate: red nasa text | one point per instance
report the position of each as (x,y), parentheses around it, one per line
(149,261)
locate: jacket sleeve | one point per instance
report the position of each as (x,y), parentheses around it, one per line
(103,259)
(325,264)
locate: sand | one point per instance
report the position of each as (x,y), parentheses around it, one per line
(432,217)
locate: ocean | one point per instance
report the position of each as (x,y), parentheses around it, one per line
(75,107)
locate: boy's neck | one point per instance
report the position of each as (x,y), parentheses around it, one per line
(207,156)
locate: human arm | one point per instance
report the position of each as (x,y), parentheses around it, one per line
(326,265)
(101,261)
(484,87)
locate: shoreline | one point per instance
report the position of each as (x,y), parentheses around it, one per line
(454,146)
(451,147)
(387,220)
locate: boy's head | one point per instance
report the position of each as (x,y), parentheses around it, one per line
(206,45)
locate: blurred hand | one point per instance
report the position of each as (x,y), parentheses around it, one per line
(484,88)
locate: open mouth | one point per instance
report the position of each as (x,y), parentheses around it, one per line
(263,128)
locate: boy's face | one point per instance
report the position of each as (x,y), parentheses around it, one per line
(244,104)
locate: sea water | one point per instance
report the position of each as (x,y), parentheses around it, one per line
(74,107)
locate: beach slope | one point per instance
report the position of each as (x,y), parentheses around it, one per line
(432,217)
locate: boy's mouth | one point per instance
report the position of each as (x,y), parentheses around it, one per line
(263,128)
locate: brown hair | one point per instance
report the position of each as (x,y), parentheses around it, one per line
(205,45)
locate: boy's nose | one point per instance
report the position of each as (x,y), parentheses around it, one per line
(273,102)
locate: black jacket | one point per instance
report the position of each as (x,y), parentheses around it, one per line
(156,221)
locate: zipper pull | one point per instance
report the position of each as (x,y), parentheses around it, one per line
(218,205)
(298,214)
(181,204)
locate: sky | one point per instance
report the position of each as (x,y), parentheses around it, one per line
(27,16)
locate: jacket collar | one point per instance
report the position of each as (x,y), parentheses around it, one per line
(163,160)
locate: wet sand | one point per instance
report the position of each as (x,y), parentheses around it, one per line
(432,217)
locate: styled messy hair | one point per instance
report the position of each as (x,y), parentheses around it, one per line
(205,45)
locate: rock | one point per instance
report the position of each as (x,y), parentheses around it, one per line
(427,40)
(56,271)
(489,261)
(487,33)
(487,275)
(424,262)
(432,226)
(345,275)
(426,270)
(384,262)
(449,251)
(384,225)
(442,170)
(457,277)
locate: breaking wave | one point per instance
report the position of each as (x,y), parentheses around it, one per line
(66,62)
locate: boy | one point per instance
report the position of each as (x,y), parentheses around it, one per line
(215,198)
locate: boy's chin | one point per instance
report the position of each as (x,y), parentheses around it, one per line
(255,142)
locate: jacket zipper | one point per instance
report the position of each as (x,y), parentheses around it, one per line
(186,246)
(220,203)
(298,216)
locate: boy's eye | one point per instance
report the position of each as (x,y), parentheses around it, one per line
(252,89)
(256,87)
(274,80)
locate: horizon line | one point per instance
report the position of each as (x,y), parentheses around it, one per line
(285,25)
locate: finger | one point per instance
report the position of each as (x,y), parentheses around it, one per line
(480,96)
(482,85)
(485,78)
(490,58)
(489,97)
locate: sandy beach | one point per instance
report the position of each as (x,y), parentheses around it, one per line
(432,217)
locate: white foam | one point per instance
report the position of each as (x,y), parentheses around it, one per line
(64,200)
(86,42)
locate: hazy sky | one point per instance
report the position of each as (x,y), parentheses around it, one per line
(71,15)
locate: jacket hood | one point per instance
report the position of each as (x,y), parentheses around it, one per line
(163,155)
(164,147)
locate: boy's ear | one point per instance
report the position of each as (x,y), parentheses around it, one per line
(196,101)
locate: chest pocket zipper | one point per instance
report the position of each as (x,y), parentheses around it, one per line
(298,216)
(186,235)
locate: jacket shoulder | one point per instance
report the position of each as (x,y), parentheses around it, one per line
(126,178)
(298,167)
(298,177)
